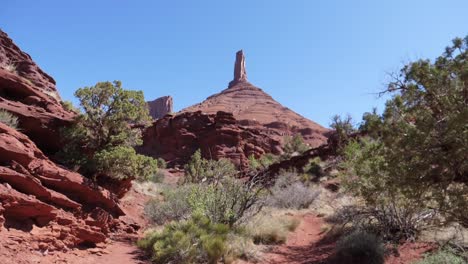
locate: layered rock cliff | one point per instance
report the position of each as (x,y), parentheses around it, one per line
(30,94)
(176,138)
(160,107)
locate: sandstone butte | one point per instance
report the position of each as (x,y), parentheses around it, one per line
(62,208)
(254,108)
(240,121)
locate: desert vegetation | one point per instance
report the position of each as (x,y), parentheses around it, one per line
(8,119)
(212,204)
(101,141)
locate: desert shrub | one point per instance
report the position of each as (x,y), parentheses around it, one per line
(289,192)
(228,202)
(196,240)
(360,248)
(418,145)
(343,127)
(8,119)
(263,162)
(161,163)
(157,177)
(314,167)
(390,222)
(295,196)
(442,257)
(123,163)
(69,106)
(100,141)
(176,205)
(199,169)
(293,146)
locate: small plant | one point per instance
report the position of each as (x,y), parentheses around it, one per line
(442,257)
(9,66)
(294,146)
(161,163)
(197,240)
(176,205)
(8,119)
(199,169)
(360,247)
(69,106)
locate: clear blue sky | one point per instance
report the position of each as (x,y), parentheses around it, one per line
(318,58)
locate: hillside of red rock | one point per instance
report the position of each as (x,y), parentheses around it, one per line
(36,192)
(56,208)
(176,138)
(30,94)
(255,108)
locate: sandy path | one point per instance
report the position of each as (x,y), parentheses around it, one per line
(303,245)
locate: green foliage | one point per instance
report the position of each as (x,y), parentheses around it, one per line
(161,163)
(197,240)
(199,169)
(360,248)
(123,163)
(442,257)
(418,148)
(226,201)
(343,128)
(176,205)
(8,119)
(294,146)
(263,162)
(69,106)
(314,167)
(102,138)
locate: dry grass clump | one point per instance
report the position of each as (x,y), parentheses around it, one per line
(271,227)
(8,119)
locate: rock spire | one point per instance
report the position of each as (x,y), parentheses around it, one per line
(240,73)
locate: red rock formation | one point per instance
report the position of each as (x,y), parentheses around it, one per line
(256,109)
(240,73)
(35,191)
(160,107)
(176,138)
(31,95)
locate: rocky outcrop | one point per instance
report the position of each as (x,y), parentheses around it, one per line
(240,73)
(160,107)
(176,138)
(34,191)
(256,109)
(30,94)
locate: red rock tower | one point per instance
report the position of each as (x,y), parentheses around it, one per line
(240,73)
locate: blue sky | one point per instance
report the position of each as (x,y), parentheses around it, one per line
(318,58)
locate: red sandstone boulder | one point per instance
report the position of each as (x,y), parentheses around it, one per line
(176,138)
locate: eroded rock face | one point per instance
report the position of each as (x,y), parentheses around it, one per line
(31,95)
(256,109)
(34,191)
(160,107)
(240,72)
(176,138)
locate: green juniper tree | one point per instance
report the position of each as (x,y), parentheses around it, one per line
(416,151)
(102,138)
